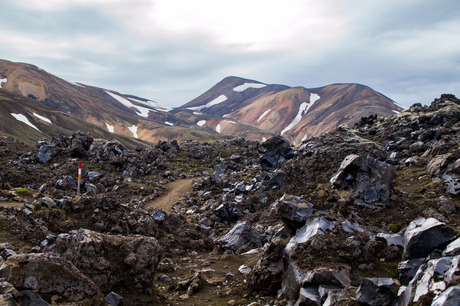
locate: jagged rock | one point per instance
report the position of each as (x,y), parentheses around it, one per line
(340,297)
(238,236)
(423,236)
(452,248)
(446,205)
(318,283)
(363,180)
(439,164)
(44,154)
(228,212)
(308,296)
(450,297)
(293,208)
(50,203)
(292,275)
(276,149)
(452,184)
(113,299)
(94,176)
(318,226)
(103,257)
(7,294)
(91,189)
(7,253)
(51,275)
(392,239)
(408,268)
(79,144)
(435,277)
(377,291)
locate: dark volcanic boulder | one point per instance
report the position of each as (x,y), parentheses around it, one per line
(238,236)
(276,149)
(363,180)
(49,274)
(293,208)
(423,236)
(377,291)
(110,259)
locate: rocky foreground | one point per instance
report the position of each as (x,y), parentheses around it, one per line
(367,216)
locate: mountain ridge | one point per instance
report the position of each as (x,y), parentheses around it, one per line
(235,106)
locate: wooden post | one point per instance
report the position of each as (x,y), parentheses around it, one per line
(79,178)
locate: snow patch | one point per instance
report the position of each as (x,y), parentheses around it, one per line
(248,85)
(219,99)
(110,128)
(263,115)
(229,121)
(201,122)
(142,111)
(23,119)
(218,128)
(395,111)
(152,104)
(302,110)
(133,130)
(304,138)
(264,139)
(42,118)
(3,81)
(169,123)
(197,113)
(74,84)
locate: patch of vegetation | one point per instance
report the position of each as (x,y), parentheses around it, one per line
(23,192)
(395,227)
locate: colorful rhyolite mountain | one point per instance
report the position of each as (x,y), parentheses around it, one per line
(296,113)
(36,101)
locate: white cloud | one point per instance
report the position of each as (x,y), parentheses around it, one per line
(236,25)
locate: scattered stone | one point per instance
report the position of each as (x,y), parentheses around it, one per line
(377,291)
(363,180)
(423,236)
(113,299)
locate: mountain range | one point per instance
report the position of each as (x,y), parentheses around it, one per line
(36,104)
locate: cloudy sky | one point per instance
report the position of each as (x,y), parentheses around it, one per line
(171,51)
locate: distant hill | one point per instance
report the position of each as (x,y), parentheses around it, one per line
(296,113)
(233,107)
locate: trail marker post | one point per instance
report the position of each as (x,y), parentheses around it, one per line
(79,178)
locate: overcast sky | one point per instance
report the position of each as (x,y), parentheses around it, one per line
(171,51)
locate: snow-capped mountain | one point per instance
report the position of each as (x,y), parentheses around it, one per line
(99,109)
(296,113)
(234,106)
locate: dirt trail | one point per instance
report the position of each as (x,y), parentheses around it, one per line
(175,190)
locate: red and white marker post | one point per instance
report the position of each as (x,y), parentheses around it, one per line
(79,178)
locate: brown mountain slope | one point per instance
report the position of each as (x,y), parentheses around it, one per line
(124,115)
(295,113)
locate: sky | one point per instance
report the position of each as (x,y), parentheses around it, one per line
(172,51)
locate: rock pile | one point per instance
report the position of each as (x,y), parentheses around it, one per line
(366,215)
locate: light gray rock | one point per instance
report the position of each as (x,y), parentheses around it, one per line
(452,248)
(450,297)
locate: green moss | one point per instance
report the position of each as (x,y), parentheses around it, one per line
(394,227)
(22,191)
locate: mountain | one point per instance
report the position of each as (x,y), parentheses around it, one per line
(296,113)
(105,110)
(233,107)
